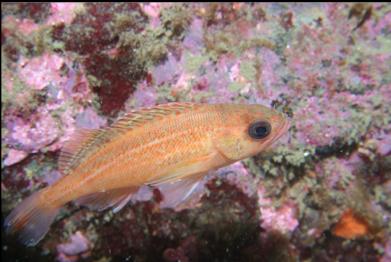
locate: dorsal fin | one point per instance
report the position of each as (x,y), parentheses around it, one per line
(75,148)
(86,141)
(139,117)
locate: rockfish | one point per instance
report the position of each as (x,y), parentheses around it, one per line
(170,146)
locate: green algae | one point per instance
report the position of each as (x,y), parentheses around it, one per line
(93,80)
(248,70)
(4,147)
(148,48)
(164,93)
(202,96)
(228,42)
(194,62)
(235,86)
(42,41)
(10,97)
(287,161)
(175,20)
(152,44)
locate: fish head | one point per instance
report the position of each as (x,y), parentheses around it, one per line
(248,130)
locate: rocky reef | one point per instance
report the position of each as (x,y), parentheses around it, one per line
(322,192)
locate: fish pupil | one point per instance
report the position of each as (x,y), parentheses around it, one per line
(259,130)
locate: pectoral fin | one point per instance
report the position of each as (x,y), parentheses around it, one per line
(179,193)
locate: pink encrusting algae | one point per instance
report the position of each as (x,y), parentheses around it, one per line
(67,66)
(76,248)
(282,219)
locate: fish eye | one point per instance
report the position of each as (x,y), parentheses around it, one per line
(259,130)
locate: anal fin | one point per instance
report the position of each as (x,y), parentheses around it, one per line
(179,193)
(115,198)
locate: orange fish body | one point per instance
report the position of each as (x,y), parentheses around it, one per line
(170,146)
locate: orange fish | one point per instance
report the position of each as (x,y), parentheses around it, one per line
(170,146)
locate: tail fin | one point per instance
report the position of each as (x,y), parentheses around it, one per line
(31,219)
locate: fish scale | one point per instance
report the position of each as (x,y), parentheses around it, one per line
(171,147)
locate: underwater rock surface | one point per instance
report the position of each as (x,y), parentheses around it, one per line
(321,192)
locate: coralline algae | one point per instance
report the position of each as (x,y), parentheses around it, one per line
(67,66)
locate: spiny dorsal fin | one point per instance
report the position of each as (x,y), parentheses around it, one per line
(86,141)
(139,117)
(77,147)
